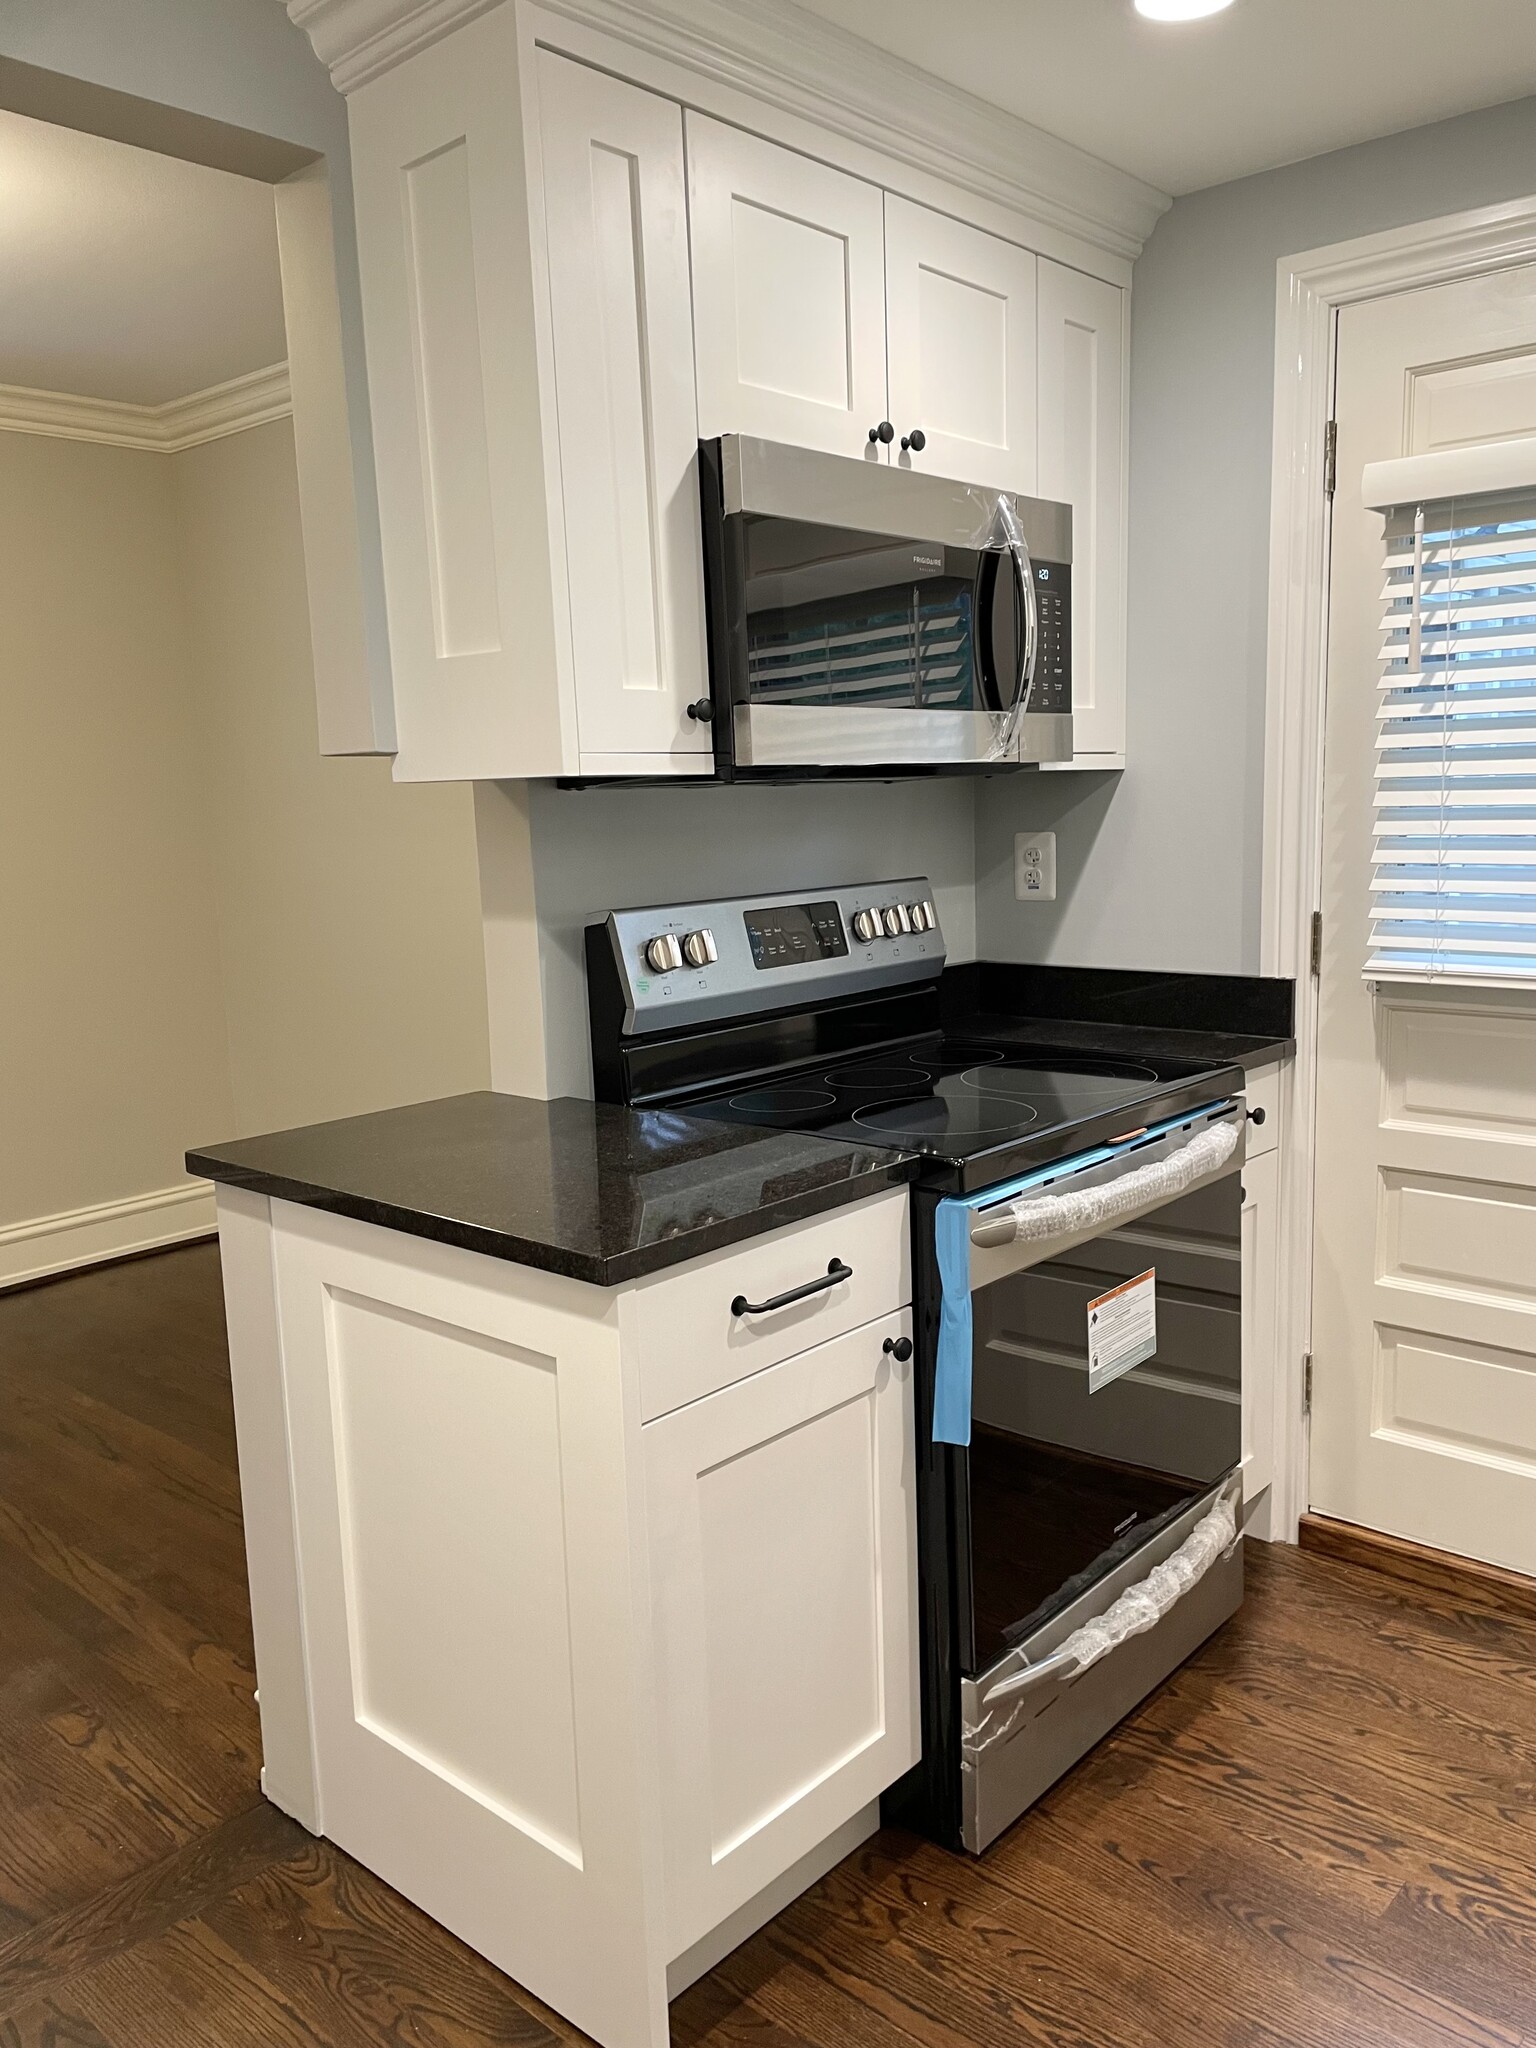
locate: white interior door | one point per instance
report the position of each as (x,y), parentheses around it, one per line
(960,344)
(788,293)
(616,206)
(1424,1316)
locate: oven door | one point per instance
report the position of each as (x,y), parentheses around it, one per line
(863,617)
(1106,1396)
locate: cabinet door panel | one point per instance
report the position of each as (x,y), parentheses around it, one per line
(615,200)
(783,1566)
(788,293)
(1083,460)
(960,338)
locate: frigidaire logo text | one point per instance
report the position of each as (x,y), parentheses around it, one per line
(928,561)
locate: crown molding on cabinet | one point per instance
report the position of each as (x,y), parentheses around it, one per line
(229,408)
(802,65)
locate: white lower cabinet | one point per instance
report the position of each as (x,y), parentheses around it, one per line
(783,1568)
(591,1690)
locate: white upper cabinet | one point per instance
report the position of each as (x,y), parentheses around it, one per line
(1083,461)
(788,293)
(616,204)
(527,308)
(569,278)
(960,341)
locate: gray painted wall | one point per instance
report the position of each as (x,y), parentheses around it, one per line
(596,850)
(1160,867)
(244,62)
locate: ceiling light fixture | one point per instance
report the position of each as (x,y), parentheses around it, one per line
(1180,10)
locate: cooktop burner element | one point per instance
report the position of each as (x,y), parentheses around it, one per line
(952,1099)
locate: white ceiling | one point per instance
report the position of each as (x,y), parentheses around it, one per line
(1189,104)
(129,275)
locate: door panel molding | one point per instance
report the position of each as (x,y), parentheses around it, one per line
(1310,289)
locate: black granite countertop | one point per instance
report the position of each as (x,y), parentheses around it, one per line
(1223,1019)
(587,1189)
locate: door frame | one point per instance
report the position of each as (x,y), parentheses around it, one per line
(1310,289)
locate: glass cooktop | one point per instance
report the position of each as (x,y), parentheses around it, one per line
(952,1099)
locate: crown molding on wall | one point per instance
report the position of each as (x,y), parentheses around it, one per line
(229,408)
(802,65)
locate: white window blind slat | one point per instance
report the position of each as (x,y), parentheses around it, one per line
(1453,891)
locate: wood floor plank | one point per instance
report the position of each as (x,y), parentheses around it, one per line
(146,1903)
(337,1942)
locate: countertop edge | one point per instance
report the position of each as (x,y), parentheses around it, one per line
(615,1271)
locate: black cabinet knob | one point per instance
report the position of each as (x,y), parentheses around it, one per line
(702,712)
(900,1348)
(884,432)
(917,441)
(1257,1115)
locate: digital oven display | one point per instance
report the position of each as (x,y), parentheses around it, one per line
(794,933)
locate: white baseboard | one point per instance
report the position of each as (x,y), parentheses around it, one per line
(107,1230)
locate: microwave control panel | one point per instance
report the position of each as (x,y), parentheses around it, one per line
(1052,690)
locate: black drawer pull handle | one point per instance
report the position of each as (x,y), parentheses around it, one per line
(835,1273)
(1257,1115)
(900,1348)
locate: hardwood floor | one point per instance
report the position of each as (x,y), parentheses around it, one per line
(1322,1832)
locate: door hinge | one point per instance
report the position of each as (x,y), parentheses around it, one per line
(1330,457)
(1317,942)
(1306,1384)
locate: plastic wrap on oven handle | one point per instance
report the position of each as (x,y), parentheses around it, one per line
(1034,1219)
(1139,1608)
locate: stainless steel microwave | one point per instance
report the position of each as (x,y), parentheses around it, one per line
(870,618)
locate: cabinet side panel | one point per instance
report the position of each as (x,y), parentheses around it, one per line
(288,1774)
(450,398)
(448,1456)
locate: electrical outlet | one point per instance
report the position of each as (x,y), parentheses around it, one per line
(1034,867)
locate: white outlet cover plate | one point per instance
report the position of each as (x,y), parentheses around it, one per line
(1034,867)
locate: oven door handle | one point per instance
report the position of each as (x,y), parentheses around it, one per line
(1039,1220)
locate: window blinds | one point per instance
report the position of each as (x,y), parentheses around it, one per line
(1454,887)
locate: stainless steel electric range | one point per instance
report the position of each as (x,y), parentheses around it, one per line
(1077,1262)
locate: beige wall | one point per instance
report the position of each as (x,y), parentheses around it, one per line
(349,907)
(112,1045)
(205,929)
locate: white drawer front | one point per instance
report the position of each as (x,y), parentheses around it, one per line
(1262,1090)
(680,1323)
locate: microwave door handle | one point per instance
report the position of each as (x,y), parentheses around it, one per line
(1029,607)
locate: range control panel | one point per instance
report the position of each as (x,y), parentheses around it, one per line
(692,963)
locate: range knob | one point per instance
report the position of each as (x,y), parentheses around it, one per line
(921,915)
(894,918)
(663,953)
(699,949)
(866,925)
